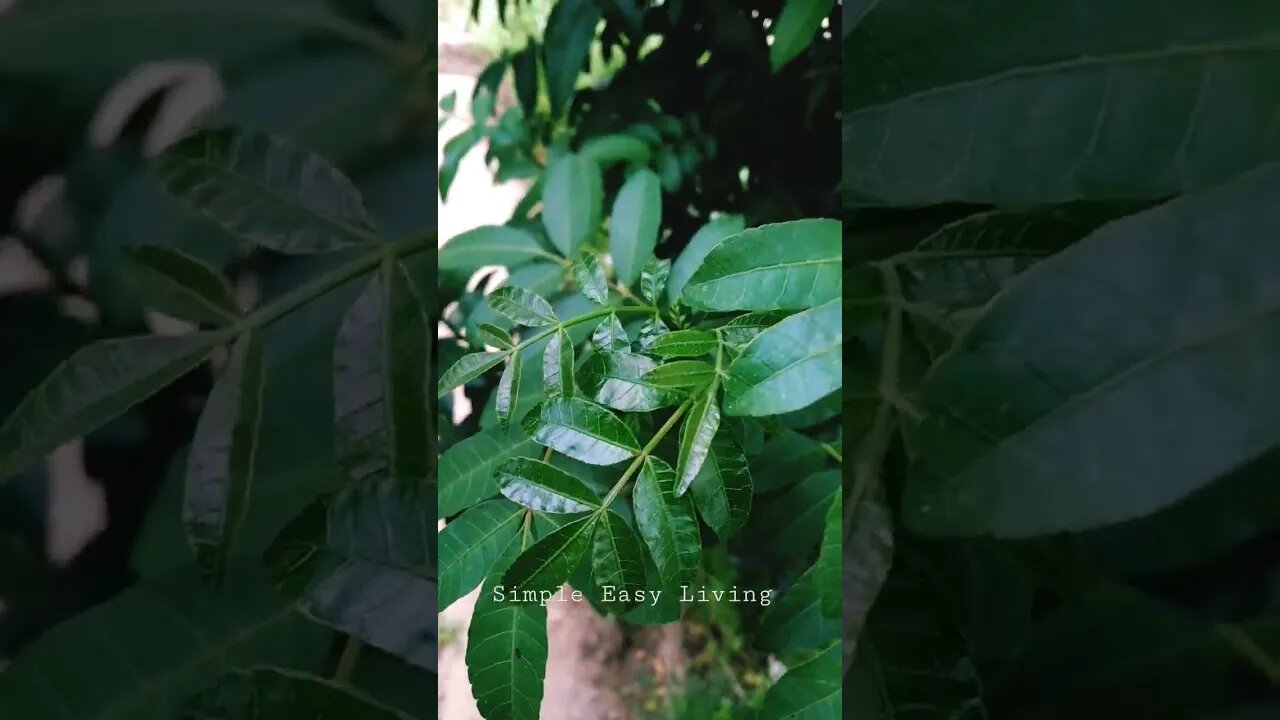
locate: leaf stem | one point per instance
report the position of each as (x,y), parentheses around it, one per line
(593,315)
(644,453)
(1243,645)
(347,662)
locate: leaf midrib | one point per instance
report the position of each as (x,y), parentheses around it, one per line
(834,260)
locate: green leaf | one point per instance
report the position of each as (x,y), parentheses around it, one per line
(522,307)
(786,266)
(180,285)
(268,191)
(220,465)
(272,692)
(508,392)
(617,562)
(785,459)
(680,374)
(649,332)
(507,649)
(571,202)
(696,434)
(466,469)
(796,621)
(810,691)
(380,360)
(589,274)
(1114,107)
(545,566)
(470,545)
(454,151)
(468,368)
(494,336)
(557,365)
(98,383)
(799,22)
(543,487)
(609,336)
(684,343)
(722,488)
(789,366)
(800,512)
(490,245)
(609,149)
(634,224)
(362,563)
(192,635)
(868,557)
(617,380)
(1182,301)
(744,328)
(707,237)
(524,67)
(667,523)
(582,430)
(571,28)
(653,279)
(826,572)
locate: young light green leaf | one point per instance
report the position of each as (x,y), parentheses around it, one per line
(609,336)
(786,266)
(220,464)
(617,380)
(582,430)
(490,245)
(800,512)
(507,648)
(992,461)
(557,365)
(508,391)
(522,307)
(494,336)
(707,237)
(695,437)
(634,224)
(795,621)
(799,22)
(788,366)
(653,279)
(722,489)
(810,691)
(544,487)
(268,191)
(468,368)
(571,202)
(380,390)
(589,274)
(95,385)
(363,562)
(571,28)
(470,545)
(180,285)
(667,523)
(684,343)
(680,374)
(466,469)
(609,149)
(546,565)
(264,692)
(617,561)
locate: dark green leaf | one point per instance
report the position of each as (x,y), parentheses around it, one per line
(787,266)
(799,22)
(653,279)
(522,307)
(1182,300)
(796,621)
(810,691)
(722,488)
(609,336)
(617,561)
(789,366)
(571,201)
(508,392)
(667,523)
(557,365)
(785,459)
(868,556)
(490,245)
(799,513)
(826,572)
(507,648)
(571,28)
(696,434)
(274,693)
(707,237)
(454,150)
(362,562)
(581,430)
(617,380)
(589,274)
(180,285)
(268,191)
(468,368)
(608,149)
(543,487)
(524,66)
(680,374)
(494,336)
(634,224)
(96,384)
(545,566)
(466,469)
(684,343)
(470,545)
(220,465)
